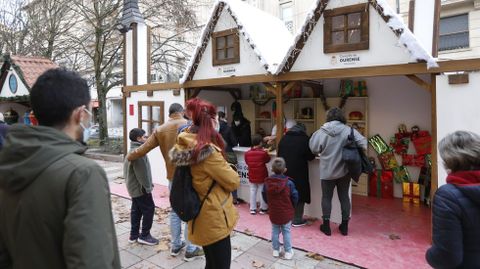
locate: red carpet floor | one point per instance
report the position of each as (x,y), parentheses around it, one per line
(383,233)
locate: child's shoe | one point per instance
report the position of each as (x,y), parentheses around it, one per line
(148,240)
(276,253)
(263,211)
(253,212)
(132,239)
(289,254)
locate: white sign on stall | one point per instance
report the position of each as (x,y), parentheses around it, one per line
(242,170)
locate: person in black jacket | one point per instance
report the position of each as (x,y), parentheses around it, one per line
(456,205)
(230,143)
(293,147)
(241,126)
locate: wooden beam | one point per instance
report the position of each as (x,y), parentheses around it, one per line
(411,15)
(434,175)
(279,119)
(289,86)
(229,81)
(195,93)
(153,87)
(271,88)
(436,28)
(420,82)
(135,53)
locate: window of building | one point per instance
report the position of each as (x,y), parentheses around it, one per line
(150,115)
(346,29)
(454,33)
(286,14)
(226,47)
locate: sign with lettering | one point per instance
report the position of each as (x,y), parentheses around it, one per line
(345,59)
(242,170)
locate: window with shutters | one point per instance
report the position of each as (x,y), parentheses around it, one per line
(226,47)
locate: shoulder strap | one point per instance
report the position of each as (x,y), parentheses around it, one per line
(201,204)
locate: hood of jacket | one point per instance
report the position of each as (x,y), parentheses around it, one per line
(276,183)
(333,128)
(182,153)
(468,182)
(28,150)
(135,145)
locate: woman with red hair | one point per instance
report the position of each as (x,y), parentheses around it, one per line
(200,146)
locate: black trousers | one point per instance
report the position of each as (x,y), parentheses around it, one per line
(343,185)
(219,254)
(142,206)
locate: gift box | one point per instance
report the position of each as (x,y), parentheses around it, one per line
(387,160)
(401,174)
(422,141)
(381,184)
(413,160)
(411,192)
(399,144)
(378,144)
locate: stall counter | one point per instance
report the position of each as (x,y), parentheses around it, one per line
(314,209)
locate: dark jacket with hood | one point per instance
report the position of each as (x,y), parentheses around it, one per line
(138,174)
(241,130)
(55,209)
(282,197)
(329,141)
(256,160)
(293,147)
(456,223)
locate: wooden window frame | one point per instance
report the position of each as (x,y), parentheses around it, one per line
(363,9)
(236,47)
(150,121)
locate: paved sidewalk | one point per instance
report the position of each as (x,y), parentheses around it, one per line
(247,251)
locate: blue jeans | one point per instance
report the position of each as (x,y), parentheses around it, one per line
(176,230)
(287,238)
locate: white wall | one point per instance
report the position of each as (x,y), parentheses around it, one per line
(219,98)
(21,88)
(457,109)
(423,22)
(249,62)
(156,159)
(384,48)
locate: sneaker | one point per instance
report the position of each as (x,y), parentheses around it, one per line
(175,251)
(289,255)
(276,253)
(190,256)
(132,239)
(299,224)
(263,211)
(253,212)
(148,240)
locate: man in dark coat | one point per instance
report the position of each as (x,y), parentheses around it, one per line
(55,209)
(293,147)
(230,143)
(456,205)
(241,126)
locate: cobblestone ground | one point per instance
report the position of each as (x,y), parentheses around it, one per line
(247,251)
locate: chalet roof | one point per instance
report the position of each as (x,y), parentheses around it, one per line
(393,20)
(267,35)
(131,13)
(28,68)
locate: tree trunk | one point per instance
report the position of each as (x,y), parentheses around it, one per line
(102,116)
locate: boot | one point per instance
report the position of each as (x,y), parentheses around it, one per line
(343,227)
(325,227)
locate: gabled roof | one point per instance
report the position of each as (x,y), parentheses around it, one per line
(393,20)
(267,35)
(28,68)
(131,13)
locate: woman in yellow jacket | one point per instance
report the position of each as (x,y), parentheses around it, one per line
(201,147)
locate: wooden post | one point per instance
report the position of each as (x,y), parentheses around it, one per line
(279,102)
(434,175)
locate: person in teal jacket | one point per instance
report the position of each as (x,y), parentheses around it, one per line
(55,209)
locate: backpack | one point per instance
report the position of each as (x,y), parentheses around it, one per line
(183,197)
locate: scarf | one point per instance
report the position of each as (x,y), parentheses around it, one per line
(464,178)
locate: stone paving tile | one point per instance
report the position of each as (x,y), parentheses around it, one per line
(278,265)
(243,242)
(164,260)
(331,264)
(300,260)
(144,265)
(249,260)
(140,250)
(121,229)
(122,240)
(262,249)
(197,263)
(127,259)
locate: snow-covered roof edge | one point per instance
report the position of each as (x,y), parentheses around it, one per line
(393,20)
(233,6)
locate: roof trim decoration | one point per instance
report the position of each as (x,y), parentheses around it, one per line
(238,11)
(131,13)
(393,20)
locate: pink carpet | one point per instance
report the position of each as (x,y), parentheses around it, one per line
(383,233)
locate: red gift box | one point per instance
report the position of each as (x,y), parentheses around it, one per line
(381,184)
(387,160)
(413,160)
(422,141)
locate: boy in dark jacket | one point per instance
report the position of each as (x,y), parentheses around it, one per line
(256,158)
(138,177)
(280,194)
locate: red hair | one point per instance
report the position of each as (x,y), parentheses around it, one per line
(202,113)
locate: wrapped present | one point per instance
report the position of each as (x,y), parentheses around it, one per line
(381,184)
(422,141)
(378,144)
(400,144)
(428,160)
(411,192)
(387,160)
(346,88)
(401,174)
(413,160)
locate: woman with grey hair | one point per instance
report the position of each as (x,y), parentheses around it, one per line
(456,205)
(329,141)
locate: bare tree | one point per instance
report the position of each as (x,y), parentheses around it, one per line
(14,27)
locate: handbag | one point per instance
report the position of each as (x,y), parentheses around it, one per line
(355,159)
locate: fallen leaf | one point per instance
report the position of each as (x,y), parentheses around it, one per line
(394,237)
(162,246)
(258,264)
(315,256)
(248,232)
